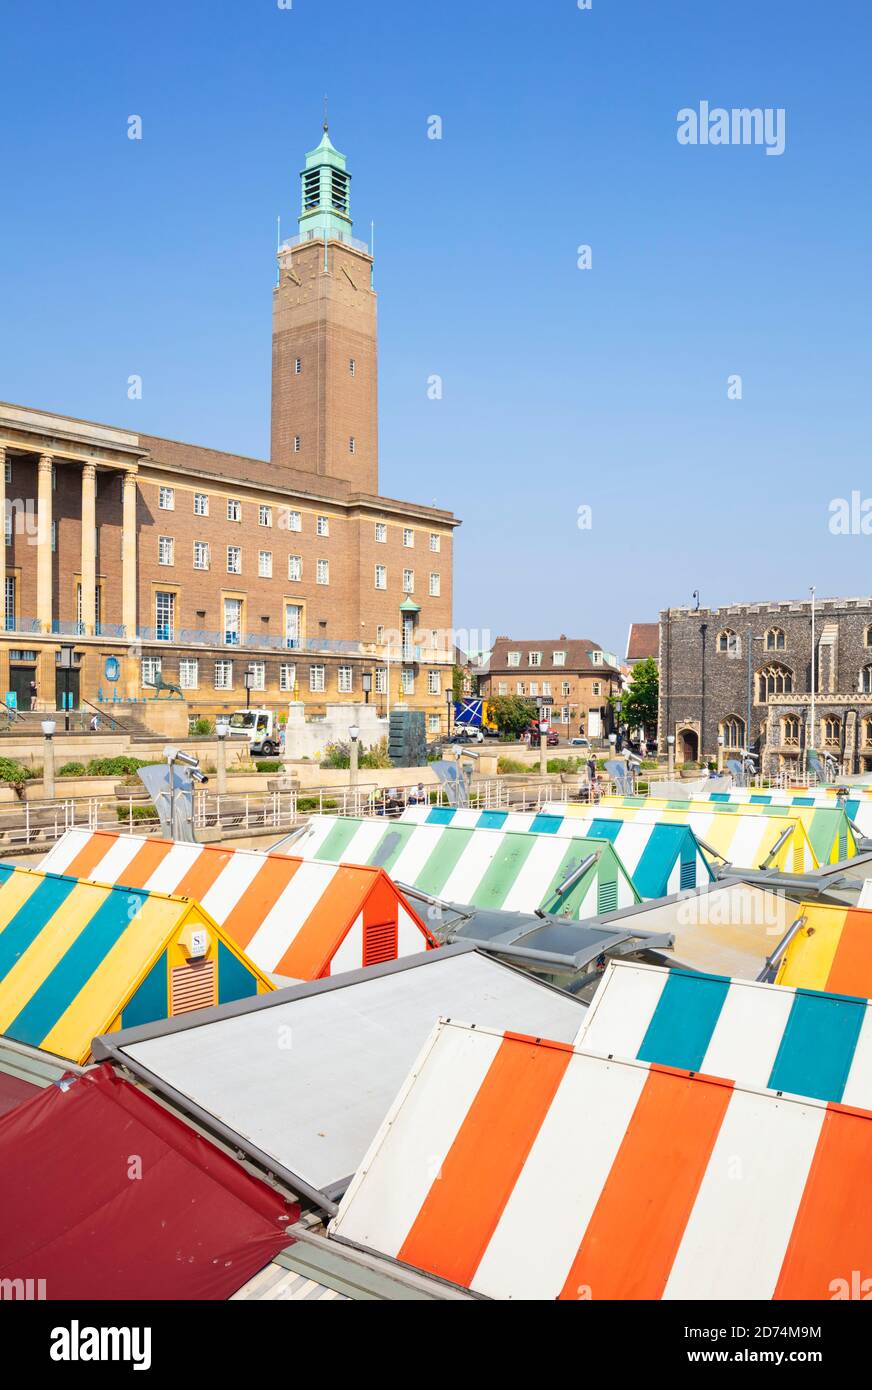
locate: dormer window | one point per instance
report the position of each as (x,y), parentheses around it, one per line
(558,658)
(514,658)
(535,658)
(596,658)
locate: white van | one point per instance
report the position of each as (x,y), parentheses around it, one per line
(259,726)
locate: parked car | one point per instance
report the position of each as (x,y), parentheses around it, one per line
(467,735)
(552,741)
(580,742)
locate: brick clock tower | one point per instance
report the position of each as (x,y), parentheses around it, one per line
(324,358)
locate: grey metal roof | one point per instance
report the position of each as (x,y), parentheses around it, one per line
(33,1064)
(301,1079)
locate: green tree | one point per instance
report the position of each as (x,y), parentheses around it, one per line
(511,713)
(457,678)
(639,700)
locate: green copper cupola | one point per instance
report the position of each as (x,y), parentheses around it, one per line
(326,187)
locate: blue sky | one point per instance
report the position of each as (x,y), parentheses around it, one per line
(563,388)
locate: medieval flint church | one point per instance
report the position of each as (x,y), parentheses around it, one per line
(741,676)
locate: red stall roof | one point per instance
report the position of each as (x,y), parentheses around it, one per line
(107,1195)
(14,1090)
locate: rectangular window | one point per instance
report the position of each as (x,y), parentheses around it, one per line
(558,658)
(351,444)
(345,680)
(167,499)
(534,687)
(10,603)
(434,683)
(201,555)
(295,521)
(514,658)
(535,658)
(165,550)
(435,542)
(596,688)
(234,509)
(408,537)
(503,688)
(201,504)
(380,633)
(150,669)
(264,564)
(322,526)
(264,516)
(322,571)
(8,526)
(408,581)
(234,559)
(381,532)
(298,366)
(257,669)
(189,673)
(316,678)
(165,616)
(546,687)
(381,680)
(596,658)
(433,723)
(352,366)
(520,688)
(407,684)
(54,535)
(566,690)
(223,675)
(293,622)
(381,577)
(287,677)
(232,622)
(435,585)
(296,443)
(295,568)
(8,470)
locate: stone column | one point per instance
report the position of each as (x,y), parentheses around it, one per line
(43,543)
(128,556)
(89,547)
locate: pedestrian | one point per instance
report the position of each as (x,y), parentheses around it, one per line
(282,741)
(95,723)
(33,693)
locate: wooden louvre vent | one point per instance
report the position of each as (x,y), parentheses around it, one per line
(379,943)
(192,986)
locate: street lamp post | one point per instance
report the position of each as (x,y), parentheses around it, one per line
(354,735)
(812,731)
(670,752)
(222,732)
(48,762)
(449,702)
(543,743)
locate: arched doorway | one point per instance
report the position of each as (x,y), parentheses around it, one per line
(688,746)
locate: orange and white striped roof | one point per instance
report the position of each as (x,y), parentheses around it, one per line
(298,918)
(524,1169)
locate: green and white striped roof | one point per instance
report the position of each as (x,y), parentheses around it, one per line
(510,870)
(660,859)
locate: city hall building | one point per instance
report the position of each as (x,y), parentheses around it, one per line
(741,676)
(157,561)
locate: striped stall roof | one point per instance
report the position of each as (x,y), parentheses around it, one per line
(524,1169)
(857,805)
(745,841)
(796,1040)
(295,919)
(831,951)
(827,827)
(509,870)
(660,859)
(78,959)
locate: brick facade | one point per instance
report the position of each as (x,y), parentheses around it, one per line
(574,672)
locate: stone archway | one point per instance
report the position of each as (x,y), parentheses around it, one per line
(687,746)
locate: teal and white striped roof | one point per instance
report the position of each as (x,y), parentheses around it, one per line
(510,870)
(660,859)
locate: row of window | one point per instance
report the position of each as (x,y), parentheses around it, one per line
(544,688)
(287,520)
(732,731)
(298,366)
(774,640)
(558,658)
(223,676)
(166,554)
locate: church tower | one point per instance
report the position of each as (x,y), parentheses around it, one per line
(324,360)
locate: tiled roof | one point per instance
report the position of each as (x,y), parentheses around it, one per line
(578,654)
(643,641)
